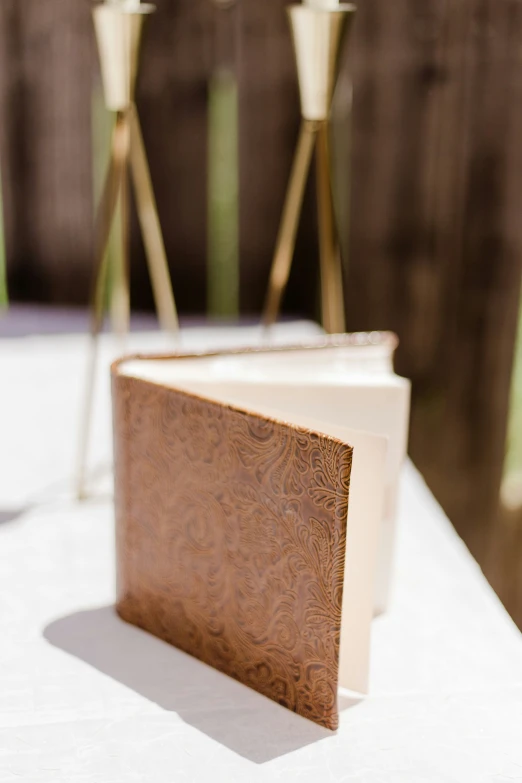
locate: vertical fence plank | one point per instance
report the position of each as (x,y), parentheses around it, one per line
(172,101)
(46,131)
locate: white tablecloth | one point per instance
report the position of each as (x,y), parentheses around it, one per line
(85,697)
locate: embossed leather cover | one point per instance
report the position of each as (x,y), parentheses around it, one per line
(231,537)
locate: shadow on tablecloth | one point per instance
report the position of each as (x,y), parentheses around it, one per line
(11,514)
(225,710)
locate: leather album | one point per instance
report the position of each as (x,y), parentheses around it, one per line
(250,494)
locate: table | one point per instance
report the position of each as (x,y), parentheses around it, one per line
(86,697)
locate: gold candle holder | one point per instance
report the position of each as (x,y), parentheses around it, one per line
(318,36)
(118,26)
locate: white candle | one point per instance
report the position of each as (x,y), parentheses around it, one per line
(322,5)
(129,4)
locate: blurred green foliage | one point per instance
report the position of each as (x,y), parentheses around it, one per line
(514,440)
(223,196)
(102,127)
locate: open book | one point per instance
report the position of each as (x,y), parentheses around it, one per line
(255,494)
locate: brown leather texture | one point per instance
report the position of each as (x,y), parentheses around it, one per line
(230,538)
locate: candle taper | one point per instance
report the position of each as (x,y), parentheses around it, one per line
(118,26)
(318,30)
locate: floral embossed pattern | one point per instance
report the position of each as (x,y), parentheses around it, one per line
(231,536)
